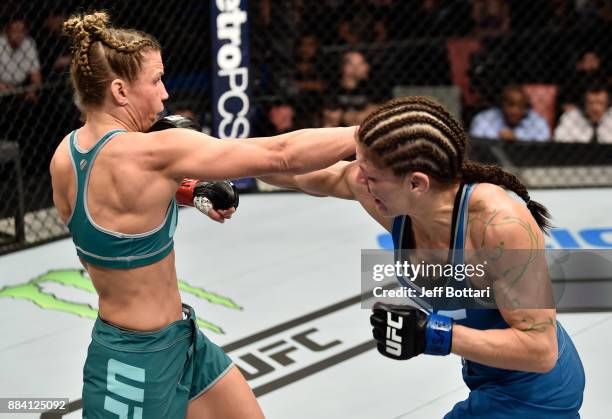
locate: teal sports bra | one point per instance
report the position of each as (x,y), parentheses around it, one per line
(103,247)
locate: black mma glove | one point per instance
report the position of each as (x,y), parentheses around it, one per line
(216,195)
(403,332)
(175,121)
(207,195)
(193,192)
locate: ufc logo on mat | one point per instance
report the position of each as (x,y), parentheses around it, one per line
(394,341)
(127,391)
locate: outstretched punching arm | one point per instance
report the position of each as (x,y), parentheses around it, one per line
(218,200)
(180,153)
(343,180)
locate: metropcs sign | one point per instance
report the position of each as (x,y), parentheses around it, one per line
(230,81)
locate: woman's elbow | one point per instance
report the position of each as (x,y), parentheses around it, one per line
(547,358)
(287,160)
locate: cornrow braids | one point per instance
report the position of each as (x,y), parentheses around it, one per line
(102,53)
(127,48)
(416,133)
(400,129)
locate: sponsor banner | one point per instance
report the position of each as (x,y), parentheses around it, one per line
(231,103)
(559,238)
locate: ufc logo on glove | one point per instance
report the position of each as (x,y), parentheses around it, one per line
(394,341)
(403,332)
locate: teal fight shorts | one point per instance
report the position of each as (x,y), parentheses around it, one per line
(135,375)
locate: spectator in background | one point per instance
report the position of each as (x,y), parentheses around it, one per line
(365,23)
(593,17)
(280,118)
(586,71)
(562,14)
(19,61)
(604,9)
(55,56)
(331,114)
(308,67)
(514,120)
(272,60)
(591,124)
(594,11)
(308,75)
(491,17)
(54,47)
(354,91)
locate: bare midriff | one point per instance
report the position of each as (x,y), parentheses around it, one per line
(143,299)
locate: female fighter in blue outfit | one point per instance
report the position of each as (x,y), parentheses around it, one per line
(412,175)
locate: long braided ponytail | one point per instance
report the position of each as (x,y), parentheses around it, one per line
(489,173)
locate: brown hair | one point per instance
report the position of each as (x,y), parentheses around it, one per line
(417,134)
(102,53)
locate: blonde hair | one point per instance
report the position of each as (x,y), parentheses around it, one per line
(102,53)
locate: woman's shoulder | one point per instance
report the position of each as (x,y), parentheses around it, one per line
(496,214)
(489,193)
(497,199)
(61,156)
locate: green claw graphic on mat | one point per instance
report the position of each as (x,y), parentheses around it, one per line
(78,278)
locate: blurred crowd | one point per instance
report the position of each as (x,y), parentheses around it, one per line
(512,70)
(34,63)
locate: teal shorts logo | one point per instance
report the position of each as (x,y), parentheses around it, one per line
(127,391)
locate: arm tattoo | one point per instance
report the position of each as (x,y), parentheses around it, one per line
(528,324)
(516,270)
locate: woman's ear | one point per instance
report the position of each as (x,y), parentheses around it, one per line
(118,92)
(418,182)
